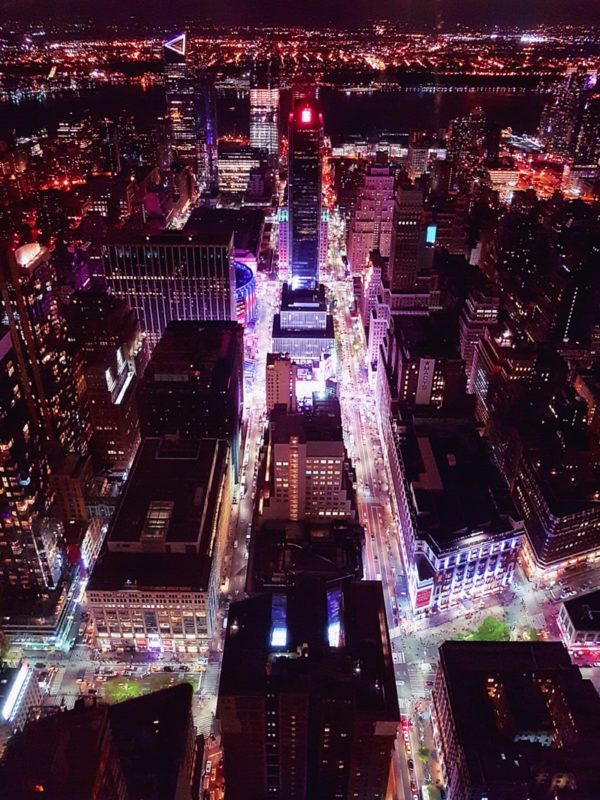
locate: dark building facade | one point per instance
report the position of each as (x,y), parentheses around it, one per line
(143,747)
(29,554)
(307,699)
(515,720)
(193,384)
(106,334)
(304,191)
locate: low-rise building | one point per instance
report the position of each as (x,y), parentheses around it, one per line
(154,586)
(20,698)
(461,533)
(579,622)
(284,553)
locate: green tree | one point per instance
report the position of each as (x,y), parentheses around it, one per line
(423,754)
(118,690)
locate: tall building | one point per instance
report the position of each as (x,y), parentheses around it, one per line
(307,699)
(502,355)
(420,364)
(587,144)
(556,489)
(465,147)
(122,752)
(305,142)
(372,218)
(417,159)
(307,473)
(480,311)
(561,119)
(303,329)
(106,332)
(515,719)
(50,377)
(182,97)
(173,275)
(208,170)
(409,253)
(30,556)
(154,585)
(235,163)
(280,381)
(193,385)
(264,108)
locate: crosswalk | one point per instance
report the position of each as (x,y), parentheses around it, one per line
(537,621)
(404,704)
(418,673)
(210,680)
(399,657)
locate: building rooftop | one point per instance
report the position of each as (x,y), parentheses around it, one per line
(161,534)
(142,743)
(204,235)
(285,553)
(568,478)
(427,337)
(323,426)
(460,498)
(308,333)
(584,611)
(245,224)
(193,351)
(171,496)
(523,715)
(317,639)
(152,739)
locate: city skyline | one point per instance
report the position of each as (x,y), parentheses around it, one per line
(300,402)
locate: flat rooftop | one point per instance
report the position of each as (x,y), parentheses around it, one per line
(584,611)
(569,479)
(301,620)
(205,235)
(308,333)
(244,223)
(171,494)
(458,493)
(282,553)
(316,427)
(203,352)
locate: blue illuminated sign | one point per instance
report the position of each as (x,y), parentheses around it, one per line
(431,234)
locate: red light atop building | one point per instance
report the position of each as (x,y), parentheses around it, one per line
(306,116)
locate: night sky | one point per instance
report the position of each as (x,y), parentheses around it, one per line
(420,13)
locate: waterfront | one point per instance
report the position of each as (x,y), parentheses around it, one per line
(346,113)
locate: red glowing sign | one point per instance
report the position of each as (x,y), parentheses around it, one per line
(306,115)
(423,597)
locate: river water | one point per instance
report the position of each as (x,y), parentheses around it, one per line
(345,114)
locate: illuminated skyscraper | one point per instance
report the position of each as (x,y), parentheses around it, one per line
(106,333)
(182,101)
(562,117)
(372,219)
(264,109)
(207,136)
(304,191)
(173,275)
(410,254)
(51,378)
(29,554)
